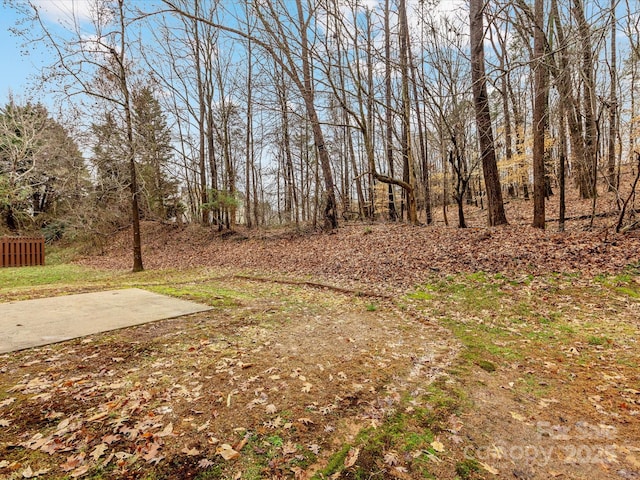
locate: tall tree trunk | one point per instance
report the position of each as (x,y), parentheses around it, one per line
(445,179)
(613,104)
(197,51)
(354,166)
(495,205)
(290,194)
(131,152)
(589,167)
(571,108)
(562,161)
(422,140)
(539,116)
(330,206)
(388,112)
(518,121)
(348,138)
(249,133)
(407,150)
(506,111)
(256,177)
(208,102)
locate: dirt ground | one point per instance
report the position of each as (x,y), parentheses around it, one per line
(282,376)
(539,381)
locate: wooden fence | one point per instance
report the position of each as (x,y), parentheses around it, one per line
(21,251)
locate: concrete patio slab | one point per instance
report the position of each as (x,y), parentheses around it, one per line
(32,323)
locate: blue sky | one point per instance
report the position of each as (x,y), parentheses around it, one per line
(23,63)
(17,67)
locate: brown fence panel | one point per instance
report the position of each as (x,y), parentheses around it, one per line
(21,251)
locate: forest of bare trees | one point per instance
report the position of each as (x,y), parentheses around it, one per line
(323,111)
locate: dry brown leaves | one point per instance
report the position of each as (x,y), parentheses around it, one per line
(392,255)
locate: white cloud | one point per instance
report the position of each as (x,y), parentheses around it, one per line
(66,12)
(458,8)
(369,4)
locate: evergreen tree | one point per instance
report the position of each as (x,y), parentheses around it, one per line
(111,171)
(154,154)
(43,177)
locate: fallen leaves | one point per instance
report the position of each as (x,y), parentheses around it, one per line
(314,448)
(99,451)
(190,452)
(489,468)
(166,431)
(518,416)
(29,473)
(407,253)
(227,452)
(98,416)
(352,457)
(243,441)
(7,401)
(204,426)
(151,453)
(80,471)
(205,463)
(73,462)
(267,379)
(391,458)
(437,446)
(289,448)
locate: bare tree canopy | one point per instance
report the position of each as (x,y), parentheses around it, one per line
(304,112)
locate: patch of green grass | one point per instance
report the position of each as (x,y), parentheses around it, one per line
(628,361)
(598,341)
(304,459)
(410,429)
(55,255)
(486,365)
(372,307)
(275,440)
(480,277)
(630,291)
(549,318)
(623,284)
(444,400)
(335,463)
(613,280)
(567,329)
(418,441)
(205,293)
(421,295)
(49,275)
(211,473)
(480,341)
(533,386)
(467,469)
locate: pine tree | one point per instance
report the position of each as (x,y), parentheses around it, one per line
(154,154)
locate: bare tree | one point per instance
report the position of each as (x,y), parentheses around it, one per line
(613,102)
(495,205)
(539,116)
(294,59)
(99,67)
(407,150)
